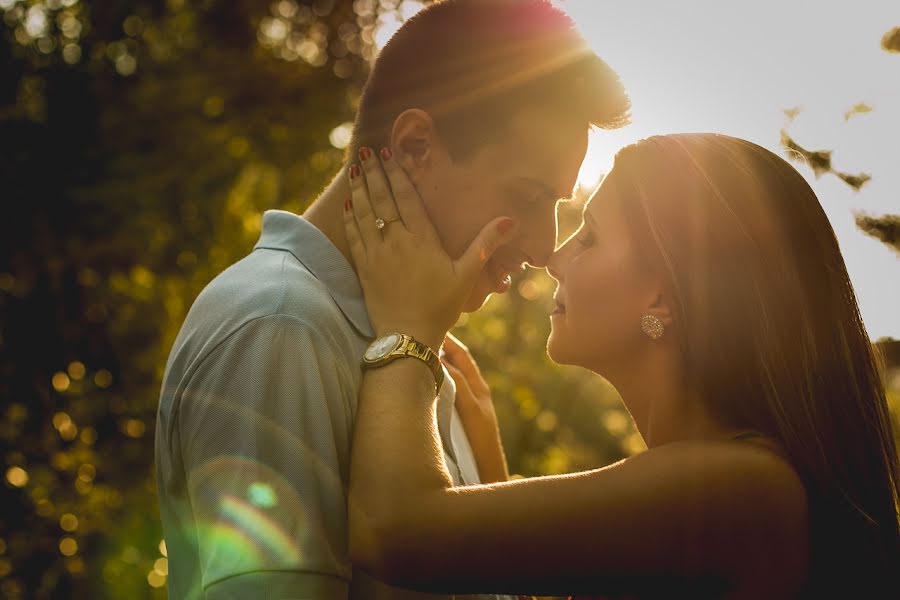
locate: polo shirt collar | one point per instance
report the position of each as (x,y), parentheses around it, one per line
(282,230)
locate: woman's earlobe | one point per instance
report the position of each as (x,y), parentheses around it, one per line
(659,310)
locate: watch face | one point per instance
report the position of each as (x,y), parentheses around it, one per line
(382,346)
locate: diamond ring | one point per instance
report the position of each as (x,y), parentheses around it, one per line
(380,223)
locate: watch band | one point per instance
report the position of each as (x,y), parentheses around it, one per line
(411,347)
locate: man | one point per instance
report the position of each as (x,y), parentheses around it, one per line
(487,105)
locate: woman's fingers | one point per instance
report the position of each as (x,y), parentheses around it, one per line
(354,240)
(459,356)
(463,389)
(380,196)
(361,207)
(453,346)
(407,199)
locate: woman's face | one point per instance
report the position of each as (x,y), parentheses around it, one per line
(603,291)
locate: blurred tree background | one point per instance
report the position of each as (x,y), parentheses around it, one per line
(141,141)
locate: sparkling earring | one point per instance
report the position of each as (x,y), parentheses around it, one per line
(652,326)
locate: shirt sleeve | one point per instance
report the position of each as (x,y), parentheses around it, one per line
(264,427)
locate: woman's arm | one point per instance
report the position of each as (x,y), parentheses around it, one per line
(680,510)
(677,512)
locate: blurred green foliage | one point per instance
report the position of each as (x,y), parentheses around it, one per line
(140,142)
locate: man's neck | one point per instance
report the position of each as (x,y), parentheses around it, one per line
(326,213)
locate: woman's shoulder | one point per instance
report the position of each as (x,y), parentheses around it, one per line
(749,467)
(748,487)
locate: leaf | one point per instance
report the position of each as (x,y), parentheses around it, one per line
(885,228)
(818,160)
(858,109)
(891,41)
(854,181)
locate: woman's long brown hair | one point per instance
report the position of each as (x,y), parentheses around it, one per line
(771,335)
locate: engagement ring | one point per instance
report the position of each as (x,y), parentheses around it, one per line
(380,223)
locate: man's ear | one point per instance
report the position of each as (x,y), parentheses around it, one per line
(415,142)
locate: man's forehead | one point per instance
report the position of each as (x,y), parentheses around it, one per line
(548,150)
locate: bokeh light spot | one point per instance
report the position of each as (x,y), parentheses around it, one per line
(60,381)
(88,436)
(155,579)
(133,428)
(213,106)
(17,476)
(68,546)
(60,420)
(133,25)
(131,555)
(75,565)
(162,548)
(546,420)
(615,421)
(68,431)
(103,379)
(76,370)
(87,472)
(68,522)
(71,53)
(126,64)
(341,135)
(83,487)
(161,566)
(528,289)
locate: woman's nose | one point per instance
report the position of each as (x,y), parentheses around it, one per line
(554,264)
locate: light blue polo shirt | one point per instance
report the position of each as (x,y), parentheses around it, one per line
(255,423)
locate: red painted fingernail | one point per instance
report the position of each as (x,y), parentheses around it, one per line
(504,226)
(386,154)
(364,154)
(347,203)
(354,171)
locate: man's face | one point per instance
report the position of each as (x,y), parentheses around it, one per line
(521,176)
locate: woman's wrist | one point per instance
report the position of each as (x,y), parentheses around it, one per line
(422,334)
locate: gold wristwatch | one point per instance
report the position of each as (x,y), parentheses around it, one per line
(392,346)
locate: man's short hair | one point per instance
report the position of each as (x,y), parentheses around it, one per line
(471,63)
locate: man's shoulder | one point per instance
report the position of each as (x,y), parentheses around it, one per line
(267,286)
(266,283)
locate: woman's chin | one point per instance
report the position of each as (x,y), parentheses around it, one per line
(556,350)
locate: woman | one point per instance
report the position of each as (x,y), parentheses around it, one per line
(707,286)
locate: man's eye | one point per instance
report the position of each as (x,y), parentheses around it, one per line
(532,200)
(584,239)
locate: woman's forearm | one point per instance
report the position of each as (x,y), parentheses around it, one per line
(393,468)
